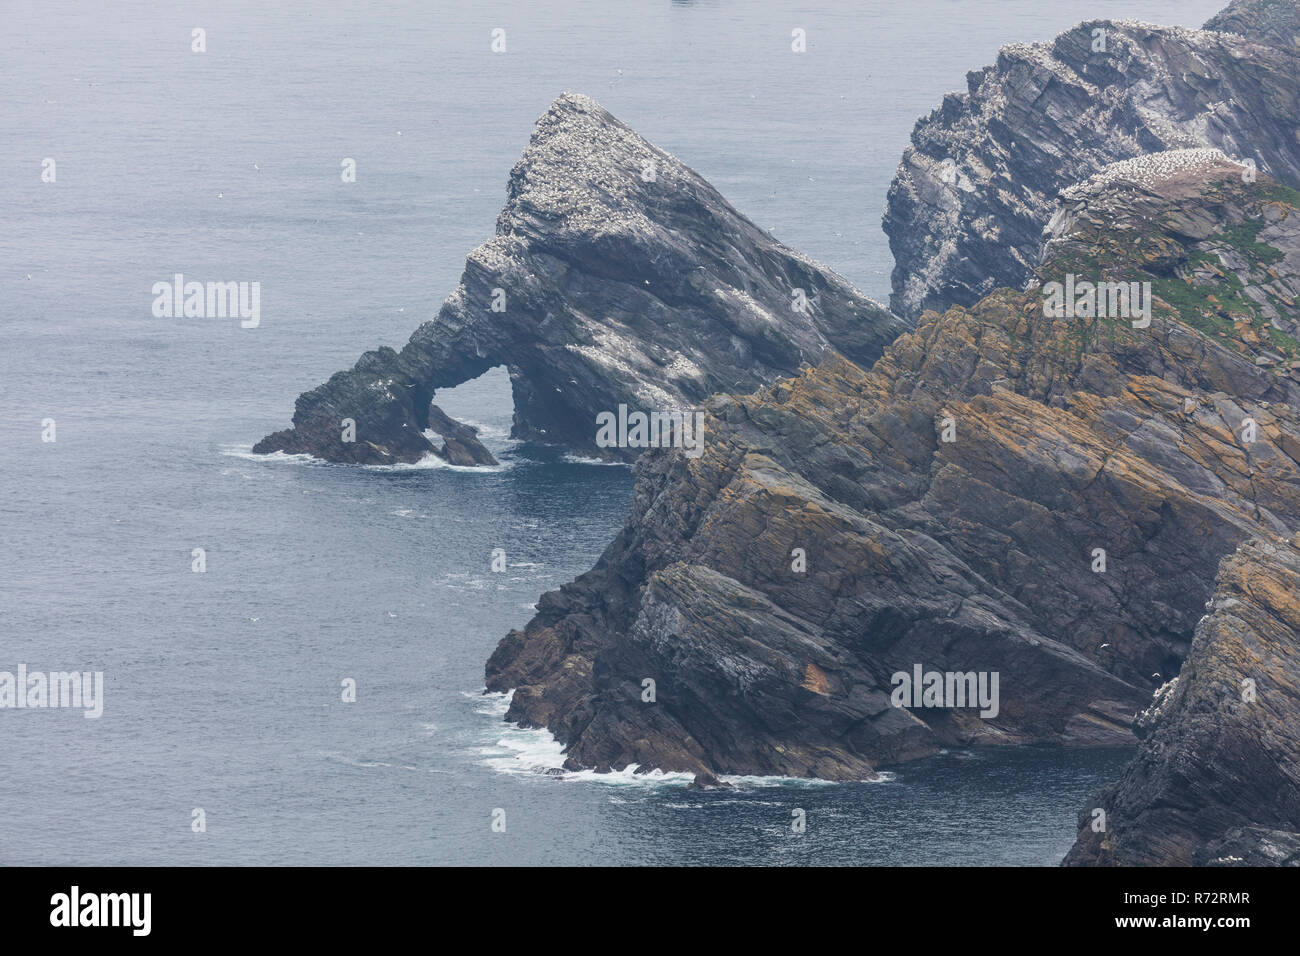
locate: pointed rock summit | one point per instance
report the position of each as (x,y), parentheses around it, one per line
(617,276)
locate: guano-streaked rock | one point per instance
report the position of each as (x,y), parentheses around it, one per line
(978,183)
(617,276)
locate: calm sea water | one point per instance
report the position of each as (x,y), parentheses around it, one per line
(223,688)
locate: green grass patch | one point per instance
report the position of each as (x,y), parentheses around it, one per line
(1244,237)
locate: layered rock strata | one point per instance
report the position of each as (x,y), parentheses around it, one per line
(1047,499)
(978,183)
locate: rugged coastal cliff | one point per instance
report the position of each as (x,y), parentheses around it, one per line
(1217,778)
(976,187)
(617,276)
(1052,498)
(975,554)
(1276,22)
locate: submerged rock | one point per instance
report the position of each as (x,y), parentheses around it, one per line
(1003,493)
(706,781)
(617,276)
(974,190)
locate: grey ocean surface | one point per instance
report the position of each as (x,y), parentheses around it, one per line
(223,688)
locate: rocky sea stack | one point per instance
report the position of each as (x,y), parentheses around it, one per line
(617,276)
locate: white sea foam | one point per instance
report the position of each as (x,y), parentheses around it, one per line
(535,751)
(581,460)
(493,433)
(460,581)
(429,462)
(432,462)
(246,452)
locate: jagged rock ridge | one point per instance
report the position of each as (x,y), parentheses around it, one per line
(978,183)
(617,276)
(971,555)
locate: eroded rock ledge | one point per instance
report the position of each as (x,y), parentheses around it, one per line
(618,276)
(971,555)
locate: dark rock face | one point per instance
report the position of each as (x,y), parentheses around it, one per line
(975,554)
(460,441)
(617,276)
(1217,778)
(967,207)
